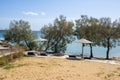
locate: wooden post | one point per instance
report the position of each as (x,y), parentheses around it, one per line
(82,50)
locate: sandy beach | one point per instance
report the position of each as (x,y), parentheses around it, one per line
(49,68)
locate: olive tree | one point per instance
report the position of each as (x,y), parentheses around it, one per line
(19,32)
(58,34)
(110,33)
(86,28)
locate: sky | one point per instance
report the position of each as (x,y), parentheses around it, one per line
(42,12)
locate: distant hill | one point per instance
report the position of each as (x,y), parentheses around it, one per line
(2,30)
(5,30)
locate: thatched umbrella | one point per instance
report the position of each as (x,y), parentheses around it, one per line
(1,41)
(83,41)
(40,39)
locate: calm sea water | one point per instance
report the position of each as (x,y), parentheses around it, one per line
(76,48)
(1,34)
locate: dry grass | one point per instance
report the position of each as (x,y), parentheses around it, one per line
(38,68)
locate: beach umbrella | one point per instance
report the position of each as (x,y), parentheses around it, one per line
(40,39)
(83,41)
(2,39)
(1,42)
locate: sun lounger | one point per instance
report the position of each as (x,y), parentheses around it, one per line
(72,56)
(32,53)
(43,54)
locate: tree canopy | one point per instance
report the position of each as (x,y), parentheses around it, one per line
(109,32)
(86,28)
(19,32)
(58,34)
(103,32)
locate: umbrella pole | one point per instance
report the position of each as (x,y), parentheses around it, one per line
(82,50)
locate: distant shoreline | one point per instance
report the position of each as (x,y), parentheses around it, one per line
(32,31)
(2,30)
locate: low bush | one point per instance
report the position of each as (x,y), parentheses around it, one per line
(4,60)
(8,66)
(9,58)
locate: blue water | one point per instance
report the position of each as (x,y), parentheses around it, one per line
(1,34)
(76,48)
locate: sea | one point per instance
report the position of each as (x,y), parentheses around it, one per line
(76,48)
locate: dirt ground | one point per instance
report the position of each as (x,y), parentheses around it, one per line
(48,68)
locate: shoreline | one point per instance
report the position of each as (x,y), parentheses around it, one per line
(99,60)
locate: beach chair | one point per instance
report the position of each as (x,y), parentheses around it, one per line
(32,53)
(43,54)
(72,56)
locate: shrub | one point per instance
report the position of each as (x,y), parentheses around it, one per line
(18,48)
(6,59)
(9,66)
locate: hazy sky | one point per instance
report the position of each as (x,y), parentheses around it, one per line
(40,12)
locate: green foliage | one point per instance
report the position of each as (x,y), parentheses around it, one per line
(30,43)
(58,34)
(19,32)
(86,28)
(8,66)
(103,32)
(11,66)
(6,59)
(109,32)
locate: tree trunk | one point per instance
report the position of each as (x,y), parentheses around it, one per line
(82,50)
(108,48)
(56,50)
(91,52)
(28,45)
(47,46)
